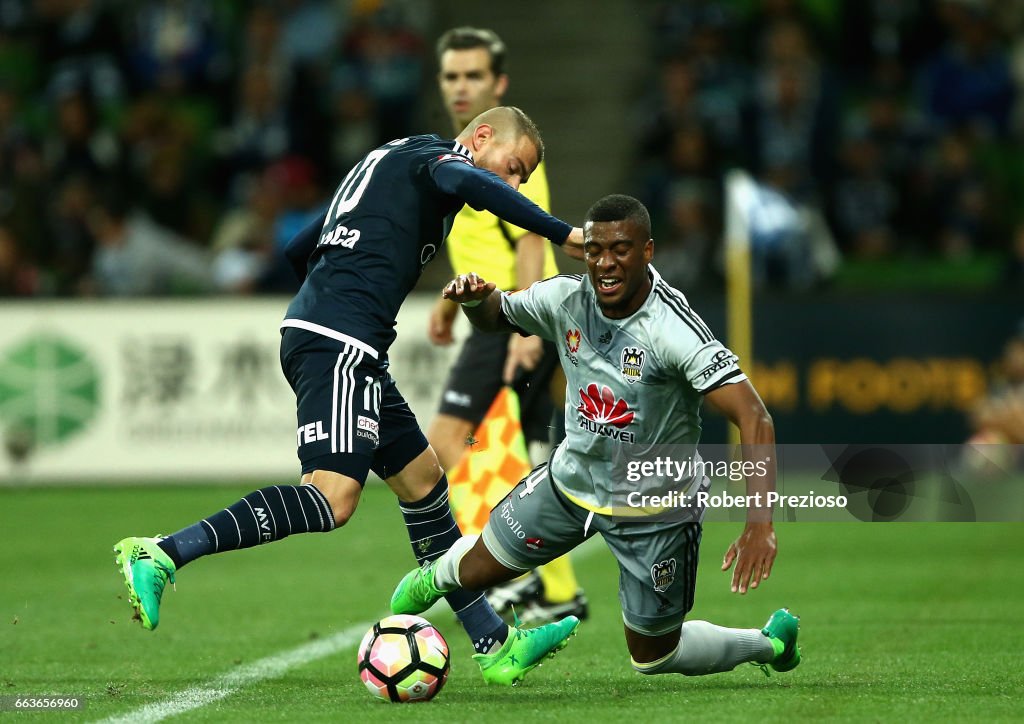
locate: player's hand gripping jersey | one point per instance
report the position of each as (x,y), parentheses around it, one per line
(631,383)
(387,219)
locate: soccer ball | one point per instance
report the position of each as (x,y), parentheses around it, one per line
(403,659)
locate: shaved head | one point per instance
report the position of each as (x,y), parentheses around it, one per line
(508,122)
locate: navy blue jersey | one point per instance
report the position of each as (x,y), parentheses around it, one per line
(387,219)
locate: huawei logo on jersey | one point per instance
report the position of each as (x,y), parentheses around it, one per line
(602,414)
(601,406)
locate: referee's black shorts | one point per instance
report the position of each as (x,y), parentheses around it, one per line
(475,380)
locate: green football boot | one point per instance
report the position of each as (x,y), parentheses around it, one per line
(782,629)
(524,650)
(416,592)
(146,570)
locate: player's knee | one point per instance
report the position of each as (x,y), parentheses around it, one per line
(417,479)
(343,512)
(341,492)
(342,508)
(472,576)
(479,571)
(447,435)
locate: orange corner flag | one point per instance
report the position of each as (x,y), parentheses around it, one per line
(495,461)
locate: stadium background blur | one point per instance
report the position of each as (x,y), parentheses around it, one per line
(162,148)
(216,128)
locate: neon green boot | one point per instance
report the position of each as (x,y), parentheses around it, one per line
(524,650)
(782,629)
(146,570)
(416,592)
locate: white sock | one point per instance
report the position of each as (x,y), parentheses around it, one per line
(705,648)
(446,569)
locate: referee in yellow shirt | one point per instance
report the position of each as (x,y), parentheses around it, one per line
(472,79)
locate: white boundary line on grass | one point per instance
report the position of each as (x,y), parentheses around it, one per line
(270,667)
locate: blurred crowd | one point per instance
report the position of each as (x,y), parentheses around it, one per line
(996,443)
(874,130)
(155,147)
(999,416)
(152,147)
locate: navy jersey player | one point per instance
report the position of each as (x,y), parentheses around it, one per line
(386,221)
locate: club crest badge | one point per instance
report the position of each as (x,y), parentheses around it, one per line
(663,574)
(632,360)
(572,345)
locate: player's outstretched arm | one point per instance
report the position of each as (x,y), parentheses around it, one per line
(754,551)
(573,245)
(482,189)
(480,300)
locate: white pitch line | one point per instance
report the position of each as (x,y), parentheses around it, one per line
(270,667)
(227,684)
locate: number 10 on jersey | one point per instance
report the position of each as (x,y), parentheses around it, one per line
(349,193)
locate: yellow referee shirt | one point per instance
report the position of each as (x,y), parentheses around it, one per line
(481,242)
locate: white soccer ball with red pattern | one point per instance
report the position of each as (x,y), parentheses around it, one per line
(403,659)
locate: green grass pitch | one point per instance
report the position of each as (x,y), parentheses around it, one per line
(900,622)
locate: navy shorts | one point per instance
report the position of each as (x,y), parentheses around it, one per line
(351,416)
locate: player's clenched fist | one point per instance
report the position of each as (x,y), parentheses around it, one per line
(467,288)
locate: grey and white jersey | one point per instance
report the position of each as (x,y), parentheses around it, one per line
(632,383)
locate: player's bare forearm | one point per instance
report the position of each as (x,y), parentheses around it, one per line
(741,404)
(480,300)
(757,443)
(755,549)
(525,352)
(487,317)
(573,244)
(530,250)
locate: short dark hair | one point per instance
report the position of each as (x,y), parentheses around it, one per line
(467,38)
(619,207)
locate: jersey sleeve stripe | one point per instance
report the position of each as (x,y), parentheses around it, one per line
(682,300)
(725,380)
(679,303)
(679,310)
(574,277)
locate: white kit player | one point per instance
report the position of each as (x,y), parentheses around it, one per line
(639,362)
